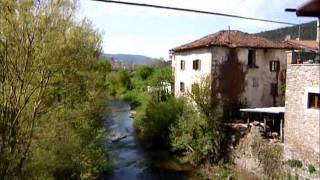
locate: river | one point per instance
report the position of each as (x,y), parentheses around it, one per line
(130,159)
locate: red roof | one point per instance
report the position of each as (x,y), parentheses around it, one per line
(234,39)
(305,44)
(310,9)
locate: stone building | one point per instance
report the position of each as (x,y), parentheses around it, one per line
(302,105)
(302,113)
(262,61)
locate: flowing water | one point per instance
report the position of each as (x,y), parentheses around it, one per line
(131,160)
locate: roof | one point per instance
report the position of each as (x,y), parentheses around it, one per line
(305,44)
(234,39)
(270,110)
(309,9)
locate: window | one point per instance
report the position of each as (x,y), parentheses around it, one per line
(182,88)
(274,89)
(255,82)
(314,100)
(252,59)
(196,64)
(182,64)
(274,66)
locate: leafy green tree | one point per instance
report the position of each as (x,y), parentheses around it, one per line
(50,80)
(198,132)
(118,82)
(144,72)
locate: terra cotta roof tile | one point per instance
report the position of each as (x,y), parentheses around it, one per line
(234,39)
(305,44)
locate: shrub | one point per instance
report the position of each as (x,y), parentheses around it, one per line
(155,118)
(144,72)
(311,169)
(224,173)
(270,157)
(192,136)
(293,163)
(198,132)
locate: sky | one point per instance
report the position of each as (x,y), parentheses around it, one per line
(153,32)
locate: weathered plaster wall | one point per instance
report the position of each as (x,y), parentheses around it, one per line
(302,125)
(188,75)
(260,94)
(255,96)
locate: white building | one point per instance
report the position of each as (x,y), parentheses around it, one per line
(262,61)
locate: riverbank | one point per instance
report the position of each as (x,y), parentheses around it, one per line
(131,159)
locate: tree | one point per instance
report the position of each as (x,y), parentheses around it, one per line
(198,132)
(47,78)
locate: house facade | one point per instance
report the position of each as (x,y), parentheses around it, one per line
(262,61)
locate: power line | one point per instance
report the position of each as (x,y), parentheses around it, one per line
(194,11)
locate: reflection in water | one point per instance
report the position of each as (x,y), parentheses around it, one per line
(130,160)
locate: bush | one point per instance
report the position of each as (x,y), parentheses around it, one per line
(198,132)
(311,169)
(155,118)
(270,157)
(224,172)
(293,163)
(144,72)
(194,135)
(118,83)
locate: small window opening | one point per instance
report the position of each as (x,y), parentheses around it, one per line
(196,65)
(252,59)
(182,65)
(314,100)
(182,88)
(274,66)
(255,82)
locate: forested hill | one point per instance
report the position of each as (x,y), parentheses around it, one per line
(308,32)
(131,59)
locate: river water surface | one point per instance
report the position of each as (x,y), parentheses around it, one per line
(129,158)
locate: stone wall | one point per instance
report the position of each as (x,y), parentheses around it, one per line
(302,124)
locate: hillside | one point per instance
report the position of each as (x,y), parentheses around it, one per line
(131,59)
(308,32)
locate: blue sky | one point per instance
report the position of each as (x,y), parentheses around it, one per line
(152,32)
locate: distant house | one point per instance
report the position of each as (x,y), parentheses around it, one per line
(242,63)
(306,51)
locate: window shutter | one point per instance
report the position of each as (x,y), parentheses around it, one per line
(277,66)
(199,64)
(270,66)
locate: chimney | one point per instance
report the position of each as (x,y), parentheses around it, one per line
(288,37)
